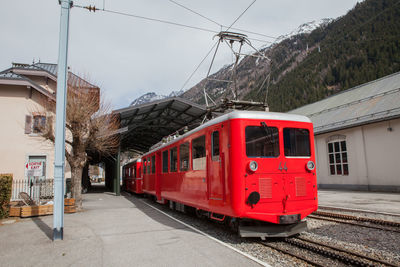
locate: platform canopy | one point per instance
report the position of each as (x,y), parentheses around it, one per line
(145,125)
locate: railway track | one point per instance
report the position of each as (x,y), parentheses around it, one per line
(326,251)
(356,220)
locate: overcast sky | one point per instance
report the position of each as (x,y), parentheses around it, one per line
(128,57)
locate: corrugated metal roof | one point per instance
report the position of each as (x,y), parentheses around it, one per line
(374,101)
(147,124)
(10,75)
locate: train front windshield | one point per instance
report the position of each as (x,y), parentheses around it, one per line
(263,141)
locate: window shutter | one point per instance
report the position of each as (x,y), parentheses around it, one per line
(28,124)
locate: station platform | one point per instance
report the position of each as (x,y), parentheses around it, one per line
(369,201)
(112,231)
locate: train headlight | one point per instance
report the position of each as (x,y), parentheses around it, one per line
(253,166)
(310,165)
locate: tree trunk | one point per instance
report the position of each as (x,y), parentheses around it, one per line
(76,186)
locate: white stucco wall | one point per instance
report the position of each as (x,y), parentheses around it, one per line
(383,152)
(15,145)
(373,156)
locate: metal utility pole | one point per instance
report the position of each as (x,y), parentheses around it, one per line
(61,101)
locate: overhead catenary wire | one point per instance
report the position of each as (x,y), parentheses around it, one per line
(94,9)
(219,24)
(198,66)
(195,12)
(240,15)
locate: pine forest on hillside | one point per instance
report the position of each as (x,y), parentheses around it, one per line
(359,47)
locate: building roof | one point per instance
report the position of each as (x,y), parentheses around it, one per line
(145,125)
(17,75)
(73,79)
(374,101)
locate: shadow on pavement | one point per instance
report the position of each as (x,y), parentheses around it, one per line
(152,213)
(47,230)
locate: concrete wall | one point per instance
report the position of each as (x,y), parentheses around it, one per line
(373,156)
(15,146)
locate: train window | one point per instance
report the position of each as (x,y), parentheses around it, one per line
(148,165)
(262,141)
(165,161)
(337,156)
(153,164)
(215,146)
(199,153)
(173,159)
(144,166)
(184,156)
(296,142)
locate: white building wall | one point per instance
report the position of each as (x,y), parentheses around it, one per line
(383,153)
(373,156)
(15,145)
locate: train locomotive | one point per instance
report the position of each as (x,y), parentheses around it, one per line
(253,170)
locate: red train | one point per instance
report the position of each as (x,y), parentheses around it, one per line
(132,176)
(255,170)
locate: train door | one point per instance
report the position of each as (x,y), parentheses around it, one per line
(299,175)
(214,166)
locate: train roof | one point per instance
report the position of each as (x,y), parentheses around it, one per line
(239,114)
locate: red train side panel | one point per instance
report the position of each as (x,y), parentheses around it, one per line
(209,168)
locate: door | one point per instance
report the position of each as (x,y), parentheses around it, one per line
(214,166)
(300,182)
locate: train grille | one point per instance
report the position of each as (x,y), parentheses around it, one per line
(301,187)
(265,186)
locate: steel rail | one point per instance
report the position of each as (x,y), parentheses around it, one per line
(359,211)
(287,252)
(328,251)
(348,252)
(352,223)
(356,218)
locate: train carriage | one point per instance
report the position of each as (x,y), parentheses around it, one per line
(132,176)
(244,166)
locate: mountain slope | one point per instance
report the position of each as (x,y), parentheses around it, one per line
(361,46)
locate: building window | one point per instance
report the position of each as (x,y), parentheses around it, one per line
(173,159)
(184,156)
(165,161)
(199,153)
(337,153)
(39,123)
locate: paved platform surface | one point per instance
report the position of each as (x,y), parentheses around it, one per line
(112,231)
(379,202)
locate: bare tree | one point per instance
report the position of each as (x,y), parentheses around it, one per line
(90,127)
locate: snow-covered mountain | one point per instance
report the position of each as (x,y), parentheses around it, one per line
(306,28)
(150,97)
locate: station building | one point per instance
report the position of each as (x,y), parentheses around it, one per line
(357,136)
(24,90)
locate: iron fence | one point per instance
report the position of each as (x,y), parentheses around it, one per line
(37,189)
